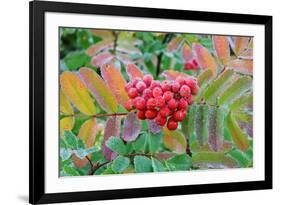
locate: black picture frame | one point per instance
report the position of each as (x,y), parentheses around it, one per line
(37,194)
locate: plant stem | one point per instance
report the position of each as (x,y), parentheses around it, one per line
(99,115)
(159,58)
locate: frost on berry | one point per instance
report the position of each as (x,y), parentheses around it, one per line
(163,103)
(157,92)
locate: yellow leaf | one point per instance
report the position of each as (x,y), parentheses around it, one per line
(204,58)
(65,106)
(99,89)
(66,124)
(174,140)
(88,132)
(77,93)
(115,81)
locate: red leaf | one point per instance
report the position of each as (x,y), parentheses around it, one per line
(102,59)
(221,45)
(132,127)
(115,81)
(133,71)
(112,128)
(97,47)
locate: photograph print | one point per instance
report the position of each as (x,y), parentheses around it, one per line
(144,102)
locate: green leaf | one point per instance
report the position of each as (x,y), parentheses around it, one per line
(204,77)
(154,142)
(235,90)
(117,145)
(202,123)
(217,86)
(65,154)
(120,164)
(242,101)
(82,153)
(140,144)
(142,164)
(216,128)
(188,124)
(75,60)
(239,137)
(71,140)
(240,157)
(70,171)
(215,158)
(157,165)
(180,162)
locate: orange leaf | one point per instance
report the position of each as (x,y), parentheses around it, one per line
(174,140)
(103,95)
(172,74)
(97,47)
(115,81)
(133,71)
(77,93)
(186,52)
(242,66)
(174,44)
(221,45)
(240,44)
(104,34)
(87,133)
(204,58)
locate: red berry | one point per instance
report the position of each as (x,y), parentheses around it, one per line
(168,95)
(195,64)
(151,103)
(128,86)
(185,91)
(155,84)
(157,91)
(140,103)
(140,86)
(166,86)
(180,80)
(175,87)
(164,112)
(161,121)
(188,66)
(141,114)
(190,100)
(129,105)
(172,104)
(160,102)
(178,115)
(147,93)
(182,104)
(151,114)
(132,93)
(172,124)
(135,81)
(190,82)
(147,80)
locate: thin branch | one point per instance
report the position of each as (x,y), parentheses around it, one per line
(98,115)
(159,58)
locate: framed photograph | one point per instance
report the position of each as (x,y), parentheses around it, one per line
(140,102)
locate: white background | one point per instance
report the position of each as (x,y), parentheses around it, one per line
(14,100)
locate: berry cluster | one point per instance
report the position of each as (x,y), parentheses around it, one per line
(191,65)
(165,102)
